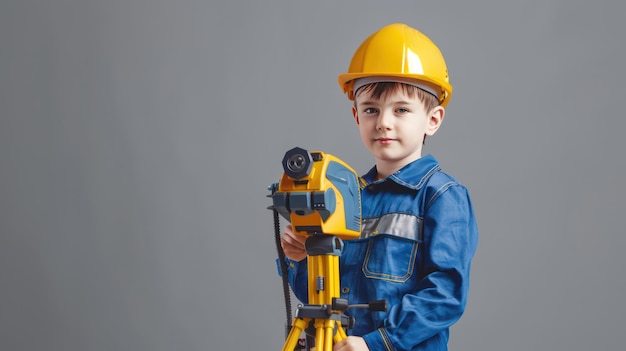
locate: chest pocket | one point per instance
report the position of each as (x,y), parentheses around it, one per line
(392,247)
(390,259)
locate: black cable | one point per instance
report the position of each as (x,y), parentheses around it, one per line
(283,270)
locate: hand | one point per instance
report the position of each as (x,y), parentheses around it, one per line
(293,244)
(351,343)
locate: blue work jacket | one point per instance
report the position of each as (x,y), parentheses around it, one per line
(418,238)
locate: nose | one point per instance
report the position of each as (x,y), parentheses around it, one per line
(384,121)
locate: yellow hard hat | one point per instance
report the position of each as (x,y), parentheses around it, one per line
(398,52)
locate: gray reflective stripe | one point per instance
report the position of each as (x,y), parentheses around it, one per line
(398,224)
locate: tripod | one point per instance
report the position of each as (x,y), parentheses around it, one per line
(325,308)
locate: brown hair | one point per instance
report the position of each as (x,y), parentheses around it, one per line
(382,89)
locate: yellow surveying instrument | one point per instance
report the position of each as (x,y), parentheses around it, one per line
(321,196)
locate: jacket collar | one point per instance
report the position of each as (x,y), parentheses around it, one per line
(413,176)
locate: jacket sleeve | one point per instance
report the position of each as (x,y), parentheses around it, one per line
(439,299)
(297,277)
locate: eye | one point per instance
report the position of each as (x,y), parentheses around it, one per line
(370,110)
(402,110)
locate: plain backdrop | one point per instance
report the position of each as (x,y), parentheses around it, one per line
(138,138)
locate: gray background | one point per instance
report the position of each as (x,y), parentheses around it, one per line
(137,138)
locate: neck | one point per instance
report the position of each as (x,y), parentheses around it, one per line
(386,168)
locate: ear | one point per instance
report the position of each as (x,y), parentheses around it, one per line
(355,114)
(435,118)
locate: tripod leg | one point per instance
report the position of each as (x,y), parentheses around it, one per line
(340,335)
(323,335)
(329,329)
(297,327)
(319,336)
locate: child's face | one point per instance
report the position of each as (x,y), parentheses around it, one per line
(393,127)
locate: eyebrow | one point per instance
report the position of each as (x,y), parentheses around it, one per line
(376,102)
(368,102)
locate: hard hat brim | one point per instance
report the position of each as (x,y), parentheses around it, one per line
(346,82)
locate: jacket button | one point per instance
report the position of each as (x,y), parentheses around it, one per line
(345,290)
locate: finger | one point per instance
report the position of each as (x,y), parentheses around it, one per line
(293,238)
(339,345)
(290,239)
(289,247)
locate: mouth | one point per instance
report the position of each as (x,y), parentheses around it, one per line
(384,140)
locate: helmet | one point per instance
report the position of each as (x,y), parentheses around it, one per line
(399,52)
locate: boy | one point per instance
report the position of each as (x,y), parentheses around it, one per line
(419,232)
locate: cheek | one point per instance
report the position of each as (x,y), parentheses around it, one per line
(367,126)
(367,123)
(362,129)
(364,133)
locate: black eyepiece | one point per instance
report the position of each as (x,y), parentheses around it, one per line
(297,163)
